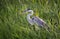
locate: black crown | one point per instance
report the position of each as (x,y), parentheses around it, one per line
(28,9)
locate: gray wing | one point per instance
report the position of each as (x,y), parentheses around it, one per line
(38,21)
(41,23)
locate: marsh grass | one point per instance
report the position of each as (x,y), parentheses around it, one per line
(13,24)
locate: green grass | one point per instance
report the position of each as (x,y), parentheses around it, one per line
(13,24)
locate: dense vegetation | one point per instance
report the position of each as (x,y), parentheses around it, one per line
(13,24)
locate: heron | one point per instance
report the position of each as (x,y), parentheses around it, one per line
(34,20)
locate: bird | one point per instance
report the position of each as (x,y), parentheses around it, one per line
(34,20)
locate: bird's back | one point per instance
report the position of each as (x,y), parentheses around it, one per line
(38,21)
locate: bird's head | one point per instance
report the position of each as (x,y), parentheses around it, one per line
(28,11)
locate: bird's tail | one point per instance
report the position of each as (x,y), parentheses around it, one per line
(47,27)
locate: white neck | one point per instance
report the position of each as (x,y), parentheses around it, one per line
(29,19)
(28,16)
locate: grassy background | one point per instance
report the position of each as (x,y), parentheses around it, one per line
(13,24)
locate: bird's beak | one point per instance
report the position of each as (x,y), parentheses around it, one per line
(24,11)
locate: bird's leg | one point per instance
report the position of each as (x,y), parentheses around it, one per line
(34,27)
(31,27)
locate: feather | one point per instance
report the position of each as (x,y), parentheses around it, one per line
(38,21)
